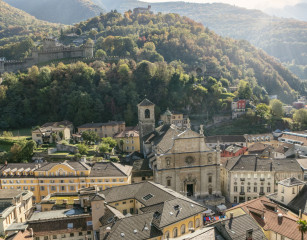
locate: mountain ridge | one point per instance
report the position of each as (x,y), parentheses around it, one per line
(58,11)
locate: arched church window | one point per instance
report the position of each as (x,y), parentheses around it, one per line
(197,223)
(175,232)
(147,113)
(182,229)
(167,235)
(190,225)
(209,158)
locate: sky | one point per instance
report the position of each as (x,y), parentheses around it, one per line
(252,4)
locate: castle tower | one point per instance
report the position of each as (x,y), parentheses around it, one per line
(1,65)
(89,49)
(146,116)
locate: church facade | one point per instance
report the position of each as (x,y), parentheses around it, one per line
(180,160)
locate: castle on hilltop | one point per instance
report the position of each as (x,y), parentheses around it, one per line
(50,50)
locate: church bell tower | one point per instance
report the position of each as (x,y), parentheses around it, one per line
(146,116)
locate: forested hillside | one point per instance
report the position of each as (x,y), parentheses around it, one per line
(285,39)
(18,30)
(58,11)
(195,77)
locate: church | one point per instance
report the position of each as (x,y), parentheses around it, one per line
(180,159)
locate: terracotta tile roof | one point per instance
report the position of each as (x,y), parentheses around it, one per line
(266,214)
(258,147)
(283,148)
(127,133)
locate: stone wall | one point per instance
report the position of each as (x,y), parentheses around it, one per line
(66,148)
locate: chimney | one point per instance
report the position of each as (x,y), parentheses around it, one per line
(108,229)
(300,214)
(5,163)
(85,209)
(280,217)
(31,232)
(231,215)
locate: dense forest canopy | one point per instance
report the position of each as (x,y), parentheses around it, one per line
(172,60)
(179,38)
(285,39)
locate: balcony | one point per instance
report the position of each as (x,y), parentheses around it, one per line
(261,193)
(242,179)
(262,179)
(242,193)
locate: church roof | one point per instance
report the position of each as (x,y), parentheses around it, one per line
(162,137)
(145,102)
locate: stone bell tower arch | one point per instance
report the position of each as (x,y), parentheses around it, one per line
(146,117)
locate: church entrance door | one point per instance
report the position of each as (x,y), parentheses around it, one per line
(190,190)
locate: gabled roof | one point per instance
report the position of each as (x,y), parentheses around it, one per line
(254,163)
(299,202)
(97,125)
(269,220)
(106,169)
(145,102)
(236,228)
(292,181)
(172,211)
(283,148)
(64,123)
(162,137)
(258,147)
(137,227)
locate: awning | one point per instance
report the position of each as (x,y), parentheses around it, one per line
(221,207)
(208,212)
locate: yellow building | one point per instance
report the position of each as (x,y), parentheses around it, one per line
(64,177)
(128,140)
(108,129)
(156,212)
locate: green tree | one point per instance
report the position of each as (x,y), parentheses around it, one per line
(90,137)
(100,53)
(263,111)
(28,150)
(109,141)
(121,143)
(61,135)
(104,148)
(83,149)
(302,227)
(300,117)
(53,137)
(276,108)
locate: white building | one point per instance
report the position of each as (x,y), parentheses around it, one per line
(247,177)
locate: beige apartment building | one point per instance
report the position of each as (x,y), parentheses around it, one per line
(248,177)
(15,207)
(108,129)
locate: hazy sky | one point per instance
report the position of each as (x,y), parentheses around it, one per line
(258,4)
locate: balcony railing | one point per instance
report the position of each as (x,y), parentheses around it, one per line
(261,193)
(242,179)
(242,193)
(262,179)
